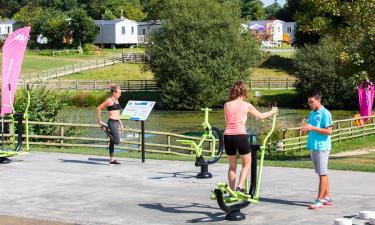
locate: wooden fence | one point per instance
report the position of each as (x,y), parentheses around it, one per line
(93,85)
(294,140)
(85,66)
(272,84)
(90,136)
(141,85)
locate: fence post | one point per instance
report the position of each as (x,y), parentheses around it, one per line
(168,143)
(287,83)
(146,85)
(338,131)
(122,56)
(76,85)
(94,85)
(269,83)
(62,134)
(73,68)
(251,84)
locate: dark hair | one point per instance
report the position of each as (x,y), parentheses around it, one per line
(113,88)
(238,89)
(316,94)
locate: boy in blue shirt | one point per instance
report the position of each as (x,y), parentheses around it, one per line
(319,128)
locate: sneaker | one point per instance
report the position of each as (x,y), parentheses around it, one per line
(242,190)
(327,201)
(319,203)
(114,162)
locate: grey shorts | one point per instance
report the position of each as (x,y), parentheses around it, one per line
(320,161)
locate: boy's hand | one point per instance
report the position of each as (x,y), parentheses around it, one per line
(307,127)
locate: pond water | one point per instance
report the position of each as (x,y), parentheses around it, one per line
(189,122)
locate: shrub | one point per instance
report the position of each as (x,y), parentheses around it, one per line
(45,106)
(319,67)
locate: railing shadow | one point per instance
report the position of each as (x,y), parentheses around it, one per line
(285,202)
(183,175)
(187,209)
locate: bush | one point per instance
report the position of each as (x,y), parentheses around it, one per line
(89,48)
(85,99)
(319,67)
(44,106)
(200,53)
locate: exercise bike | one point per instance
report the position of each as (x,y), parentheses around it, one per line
(16,118)
(214,136)
(234,201)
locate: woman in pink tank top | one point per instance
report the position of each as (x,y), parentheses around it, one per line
(235,136)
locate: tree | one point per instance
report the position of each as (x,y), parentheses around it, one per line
(55,26)
(31,15)
(252,9)
(322,67)
(272,10)
(200,52)
(82,26)
(108,15)
(153,9)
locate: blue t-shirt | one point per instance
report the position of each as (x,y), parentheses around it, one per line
(321,119)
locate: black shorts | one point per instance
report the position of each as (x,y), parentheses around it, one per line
(236,143)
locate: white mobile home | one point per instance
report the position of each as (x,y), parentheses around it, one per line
(116,32)
(273,28)
(8,27)
(289,28)
(146,28)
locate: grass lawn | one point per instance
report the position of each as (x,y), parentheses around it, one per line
(123,71)
(365,163)
(277,65)
(36,63)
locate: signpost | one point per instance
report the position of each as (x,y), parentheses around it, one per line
(138,111)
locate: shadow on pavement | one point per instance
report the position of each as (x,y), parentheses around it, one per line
(184,175)
(285,202)
(189,209)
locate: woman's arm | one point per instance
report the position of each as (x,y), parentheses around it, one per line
(253,111)
(102,106)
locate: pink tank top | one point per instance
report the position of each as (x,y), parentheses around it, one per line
(235,117)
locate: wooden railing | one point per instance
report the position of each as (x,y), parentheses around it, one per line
(141,85)
(93,85)
(90,136)
(85,66)
(272,84)
(294,140)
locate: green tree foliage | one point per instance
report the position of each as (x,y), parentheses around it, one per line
(252,10)
(272,10)
(31,16)
(200,53)
(321,67)
(108,15)
(153,9)
(54,27)
(82,26)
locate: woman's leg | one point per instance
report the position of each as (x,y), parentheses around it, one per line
(245,171)
(232,161)
(113,126)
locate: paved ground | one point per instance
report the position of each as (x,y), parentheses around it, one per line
(80,189)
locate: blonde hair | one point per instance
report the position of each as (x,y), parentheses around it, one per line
(238,89)
(113,88)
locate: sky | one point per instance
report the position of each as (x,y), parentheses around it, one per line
(269,2)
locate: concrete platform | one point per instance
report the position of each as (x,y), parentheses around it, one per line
(78,189)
